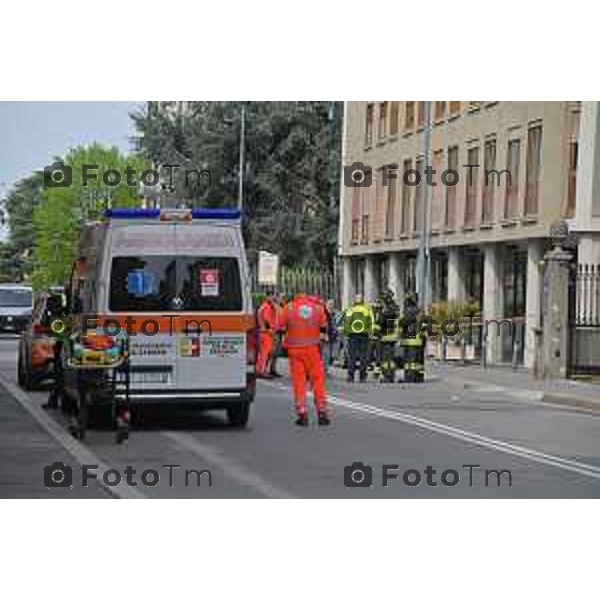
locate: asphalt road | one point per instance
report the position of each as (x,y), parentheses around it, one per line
(550,452)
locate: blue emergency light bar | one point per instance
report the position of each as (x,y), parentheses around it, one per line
(156,213)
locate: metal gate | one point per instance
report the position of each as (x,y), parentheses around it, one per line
(293,280)
(584,319)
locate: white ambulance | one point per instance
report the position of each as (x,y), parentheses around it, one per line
(177,283)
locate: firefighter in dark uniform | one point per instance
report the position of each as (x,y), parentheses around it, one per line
(58,327)
(375,340)
(388,336)
(413,341)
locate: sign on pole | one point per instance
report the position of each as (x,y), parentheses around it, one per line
(268,268)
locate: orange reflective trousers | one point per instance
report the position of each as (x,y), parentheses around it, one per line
(266,350)
(306,365)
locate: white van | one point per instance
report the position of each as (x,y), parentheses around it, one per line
(16,305)
(178,282)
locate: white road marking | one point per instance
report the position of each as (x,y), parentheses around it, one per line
(230,467)
(466,436)
(82,454)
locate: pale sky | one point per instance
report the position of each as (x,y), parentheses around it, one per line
(32,133)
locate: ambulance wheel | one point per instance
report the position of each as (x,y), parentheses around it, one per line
(238,414)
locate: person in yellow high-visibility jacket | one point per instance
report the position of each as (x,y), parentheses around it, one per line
(358,327)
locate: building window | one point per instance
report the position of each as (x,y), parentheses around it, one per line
(356,212)
(474,276)
(404,225)
(382,127)
(369,125)
(450,216)
(409,116)
(471,187)
(532,175)
(394,115)
(355,231)
(421,114)
(418,197)
(410,276)
(489,163)
(364,235)
(439,277)
(515,284)
(454,107)
(390,212)
(440,110)
(572,179)
(511,199)
(437,193)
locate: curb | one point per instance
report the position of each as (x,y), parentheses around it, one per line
(570,400)
(548,397)
(82,454)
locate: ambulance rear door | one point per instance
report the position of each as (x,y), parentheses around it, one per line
(211,350)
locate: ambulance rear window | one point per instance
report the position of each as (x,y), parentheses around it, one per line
(167,283)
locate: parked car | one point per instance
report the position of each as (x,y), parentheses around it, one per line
(36,344)
(16,305)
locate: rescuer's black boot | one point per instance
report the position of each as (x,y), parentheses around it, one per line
(324,419)
(302,419)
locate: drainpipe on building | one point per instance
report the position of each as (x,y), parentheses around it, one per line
(423,249)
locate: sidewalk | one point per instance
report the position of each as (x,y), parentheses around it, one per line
(25,449)
(518,383)
(521,383)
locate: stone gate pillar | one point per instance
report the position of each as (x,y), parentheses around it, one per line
(555,330)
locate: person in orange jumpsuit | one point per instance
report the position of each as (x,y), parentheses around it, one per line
(278,304)
(302,320)
(266,330)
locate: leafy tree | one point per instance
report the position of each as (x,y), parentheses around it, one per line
(291,177)
(16,256)
(63,211)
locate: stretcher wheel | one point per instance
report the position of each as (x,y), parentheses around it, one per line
(122,433)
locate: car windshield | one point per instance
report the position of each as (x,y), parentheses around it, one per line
(168,283)
(17,297)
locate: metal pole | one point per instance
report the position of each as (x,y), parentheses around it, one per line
(241,165)
(423,249)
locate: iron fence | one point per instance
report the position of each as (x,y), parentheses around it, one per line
(584,320)
(294,280)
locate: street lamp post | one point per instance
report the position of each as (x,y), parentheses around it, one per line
(241,165)
(423,255)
